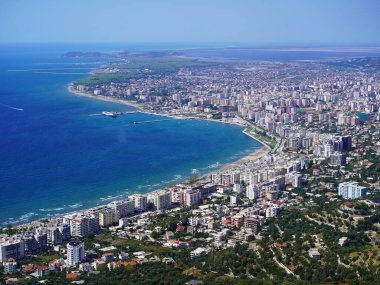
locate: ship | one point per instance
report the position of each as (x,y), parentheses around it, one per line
(109,114)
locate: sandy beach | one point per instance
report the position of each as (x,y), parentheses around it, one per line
(71,89)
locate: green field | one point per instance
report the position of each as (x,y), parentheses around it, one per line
(139,67)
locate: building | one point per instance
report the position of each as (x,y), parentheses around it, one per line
(123,208)
(35,241)
(226,179)
(80,227)
(192,197)
(140,201)
(11,247)
(234,200)
(10,266)
(314,253)
(195,221)
(107,217)
(161,200)
(272,211)
(252,192)
(351,190)
(343,241)
(57,234)
(237,221)
(337,159)
(238,188)
(346,143)
(200,251)
(84,225)
(75,253)
(252,223)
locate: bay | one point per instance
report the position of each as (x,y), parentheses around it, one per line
(54,158)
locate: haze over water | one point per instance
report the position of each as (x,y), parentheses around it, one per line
(55,158)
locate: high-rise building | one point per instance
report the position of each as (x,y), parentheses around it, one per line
(58,233)
(226,179)
(192,197)
(108,217)
(238,188)
(122,208)
(338,158)
(75,252)
(347,143)
(161,200)
(84,224)
(12,247)
(140,201)
(252,192)
(35,241)
(351,190)
(234,200)
(80,227)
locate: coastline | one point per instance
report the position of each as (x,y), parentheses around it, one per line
(251,156)
(104,98)
(256,154)
(141,108)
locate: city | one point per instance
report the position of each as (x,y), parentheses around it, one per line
(193,142)
(318,170)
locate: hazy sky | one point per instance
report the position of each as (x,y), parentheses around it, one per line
(201,21)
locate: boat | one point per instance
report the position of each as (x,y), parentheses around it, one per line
(109,114)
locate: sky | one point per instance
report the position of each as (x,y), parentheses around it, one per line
(302,22)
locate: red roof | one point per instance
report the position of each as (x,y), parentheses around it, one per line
(180,228)
(41,267)
(131,263)
(28,267)
(71,275)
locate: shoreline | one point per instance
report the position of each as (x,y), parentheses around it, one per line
(104,98)
(251,156)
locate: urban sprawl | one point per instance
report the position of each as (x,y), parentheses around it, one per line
(304,210)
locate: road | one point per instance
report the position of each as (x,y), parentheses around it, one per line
(287,270)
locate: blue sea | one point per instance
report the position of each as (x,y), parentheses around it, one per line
(55,158)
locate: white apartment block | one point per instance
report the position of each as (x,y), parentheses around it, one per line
(75,252)
(11,247)
(351,190)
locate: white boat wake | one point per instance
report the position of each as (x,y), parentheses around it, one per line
(13,108)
